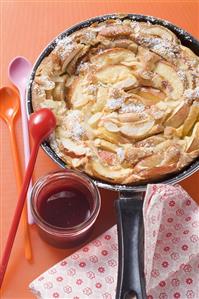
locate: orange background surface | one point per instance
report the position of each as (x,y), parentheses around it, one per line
(26,28)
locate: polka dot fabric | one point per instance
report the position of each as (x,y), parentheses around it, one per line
(171,221)
(171,243)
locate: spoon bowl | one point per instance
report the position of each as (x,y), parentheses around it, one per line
(19,70)
(41,124)
(9,104)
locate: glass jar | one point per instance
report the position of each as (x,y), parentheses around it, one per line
(69,195)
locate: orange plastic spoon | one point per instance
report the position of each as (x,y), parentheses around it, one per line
(41,125)
(9,107)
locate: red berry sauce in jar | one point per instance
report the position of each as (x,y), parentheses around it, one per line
(65,205)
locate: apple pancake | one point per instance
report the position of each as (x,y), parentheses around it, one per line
(126,98)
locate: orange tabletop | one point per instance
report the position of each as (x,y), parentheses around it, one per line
(26,28)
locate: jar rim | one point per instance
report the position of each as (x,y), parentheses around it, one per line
(60,174)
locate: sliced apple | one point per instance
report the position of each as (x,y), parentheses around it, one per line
(113,74)
(59,91)
(107,157)
(105,145)
(111,127)
(79,93)
(150,96)
(114,56)
(77,162)
(188,52)
(115,137)
(135,154)
(110,173)
(102,96)
(72,147)
(172,155)
(193,143)
(191,119)
(148,58)
(129,117)
(127,83)
(138,129)
(170,75)
(152,166)
(158,30)
(167,105)
(149,162)
(157,171)
(150,141)
(94,119)
(178,116)
(70,55)
(39,96)
(45,82)
(115,31)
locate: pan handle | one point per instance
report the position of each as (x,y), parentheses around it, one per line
(131,281)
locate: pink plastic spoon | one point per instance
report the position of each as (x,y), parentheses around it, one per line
(19,71)
(41,125)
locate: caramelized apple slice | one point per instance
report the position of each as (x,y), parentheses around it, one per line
(178,116)
(152,167)
(193,143)
(138,129)
(157,171)
(149,162)
(170,75)
(150,96)
(114,56)
(110,173)
(191,119)
(115,31)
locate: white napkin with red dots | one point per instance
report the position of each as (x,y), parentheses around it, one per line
(171,221)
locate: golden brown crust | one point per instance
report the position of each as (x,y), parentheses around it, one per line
(126,98)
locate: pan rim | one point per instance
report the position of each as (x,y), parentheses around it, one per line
(181,34)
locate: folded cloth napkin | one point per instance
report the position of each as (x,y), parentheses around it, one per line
(171,221)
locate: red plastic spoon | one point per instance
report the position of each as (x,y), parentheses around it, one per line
(41,125)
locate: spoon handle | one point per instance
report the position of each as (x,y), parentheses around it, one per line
(26,145)
(18,174)
(18,212)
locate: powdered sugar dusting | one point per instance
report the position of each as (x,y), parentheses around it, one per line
(121,154)
(182,75)
(114,103)
(83,67)
(192,94)
(75,129)
(163,47)
(133,107)
(64,46)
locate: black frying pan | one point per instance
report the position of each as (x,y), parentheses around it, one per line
(131,283)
